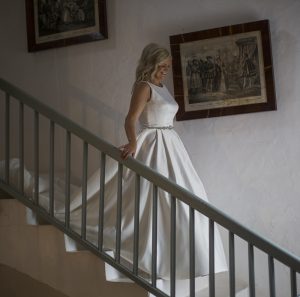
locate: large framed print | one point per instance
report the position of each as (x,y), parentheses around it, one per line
(223,71)
(56,23)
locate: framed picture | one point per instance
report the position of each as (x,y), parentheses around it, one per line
(56,23)
(223,71)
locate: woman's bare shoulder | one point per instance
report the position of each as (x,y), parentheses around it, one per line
(142,89)
(142,85)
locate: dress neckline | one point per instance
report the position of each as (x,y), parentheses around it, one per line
(161,87)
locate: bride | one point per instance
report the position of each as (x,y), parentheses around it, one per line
(158,146)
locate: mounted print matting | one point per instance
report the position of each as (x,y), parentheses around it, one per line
(223,71)
(56,23)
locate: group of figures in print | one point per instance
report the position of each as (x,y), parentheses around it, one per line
(224,74)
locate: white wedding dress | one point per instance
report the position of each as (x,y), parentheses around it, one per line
(159,147)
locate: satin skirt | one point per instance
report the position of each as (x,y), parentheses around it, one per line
(163,151)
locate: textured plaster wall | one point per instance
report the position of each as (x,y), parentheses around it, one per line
(249,163)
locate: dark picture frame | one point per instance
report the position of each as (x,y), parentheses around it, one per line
(57,23)
(223,71)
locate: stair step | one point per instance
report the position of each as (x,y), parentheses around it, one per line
(34,219)
(72,246)
(39,252)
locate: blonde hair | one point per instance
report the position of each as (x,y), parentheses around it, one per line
(151,56)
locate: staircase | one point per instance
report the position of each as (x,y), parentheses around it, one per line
(43,259)
(39,251)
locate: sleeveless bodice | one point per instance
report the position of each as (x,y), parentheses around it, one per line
(160,110)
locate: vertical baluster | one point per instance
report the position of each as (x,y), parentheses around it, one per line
(84,190)
(21,146)
(192,252)
(36,157)
(251,270)
(68,182)
(293,283)
(154,236)
(136,225)
(119,213)
(101,202)
(212,290)
(7,137)
(231,264)
(51,162)
(271,276)
(173,246)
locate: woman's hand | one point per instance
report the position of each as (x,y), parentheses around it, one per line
(128,149)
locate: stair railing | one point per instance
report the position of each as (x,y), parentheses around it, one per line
(235,229)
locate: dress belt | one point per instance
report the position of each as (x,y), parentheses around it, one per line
(158,127)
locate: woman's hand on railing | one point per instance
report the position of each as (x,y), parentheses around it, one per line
(128,149)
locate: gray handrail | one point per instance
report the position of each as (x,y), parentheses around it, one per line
(175,190)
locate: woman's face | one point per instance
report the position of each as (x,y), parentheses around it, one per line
(162,70)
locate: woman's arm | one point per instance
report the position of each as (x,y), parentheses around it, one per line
(140,96)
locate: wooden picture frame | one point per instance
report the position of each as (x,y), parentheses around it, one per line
(60,23)
(223,71)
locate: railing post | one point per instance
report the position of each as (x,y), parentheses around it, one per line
(211,259)
(101,202)
(84,190)
(21,146)
(251,270)
(271,276)
(293,283)
(119,213)
(231,264)
(154,235)
(7,138)
(136,225)
(68,182)
(36,157)
(173,247)
(51,176)
(192,252)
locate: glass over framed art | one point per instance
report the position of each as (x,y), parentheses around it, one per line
(56,23)
(223,71)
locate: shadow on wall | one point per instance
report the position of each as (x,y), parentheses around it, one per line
(93,114)
(99,118)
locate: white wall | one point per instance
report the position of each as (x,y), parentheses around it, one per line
(249,163)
